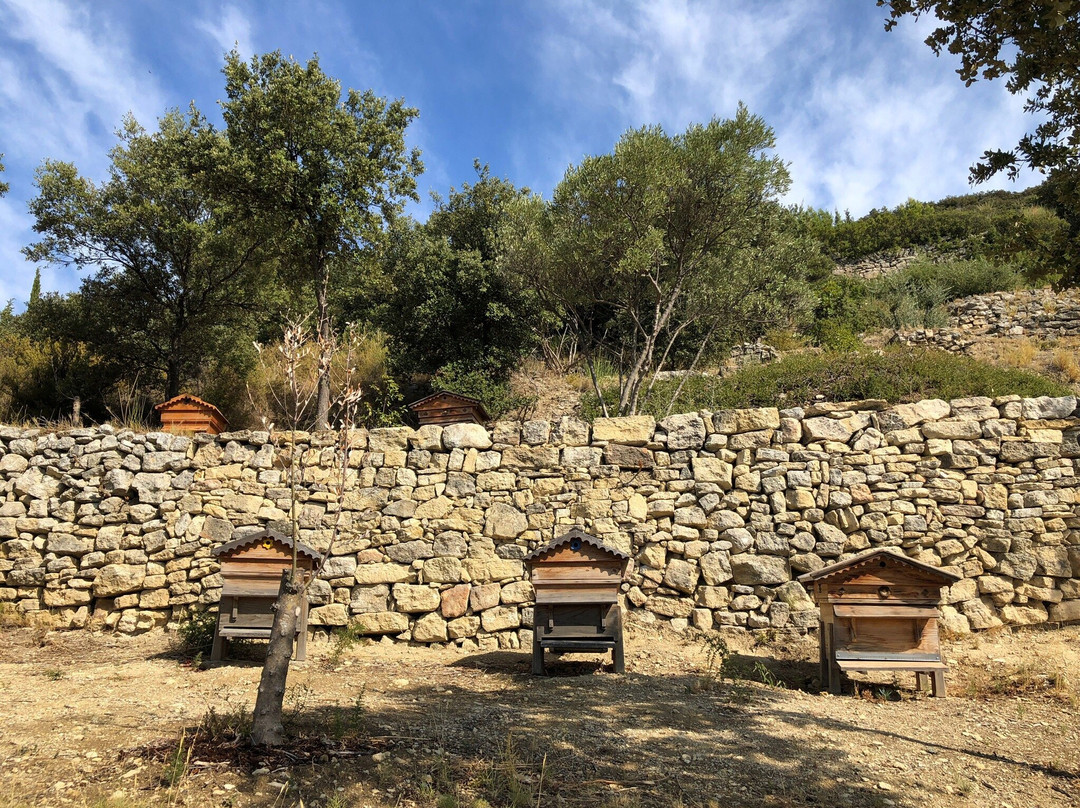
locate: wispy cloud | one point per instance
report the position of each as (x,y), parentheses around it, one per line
(66,80)
(865,118)
(228,27)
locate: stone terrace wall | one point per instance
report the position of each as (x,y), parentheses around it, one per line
(720,511)
(1029,312)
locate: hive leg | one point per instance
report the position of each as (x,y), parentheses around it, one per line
(538,655)
(217,650)
(922,680)
(823,657)
(834,669)
(938,684)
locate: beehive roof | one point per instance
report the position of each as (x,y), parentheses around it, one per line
(262,535)
(859,563)
(187,398)
(576,533)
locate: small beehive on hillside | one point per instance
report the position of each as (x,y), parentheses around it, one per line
(577,580)
(186,413)
(251,569)
(879,611)
(449,408)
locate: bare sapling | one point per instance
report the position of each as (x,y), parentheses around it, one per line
(294,402)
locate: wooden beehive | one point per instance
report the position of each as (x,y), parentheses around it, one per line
(879,611)
(251,568)
(449,408)
(185,413)
(577,579)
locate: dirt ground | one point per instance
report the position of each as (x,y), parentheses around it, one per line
(105,720)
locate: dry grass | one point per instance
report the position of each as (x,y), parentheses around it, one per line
(1064,362)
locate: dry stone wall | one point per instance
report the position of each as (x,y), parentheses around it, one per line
(1029,312)
(721,511)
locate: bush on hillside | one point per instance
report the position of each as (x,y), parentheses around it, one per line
(896,375)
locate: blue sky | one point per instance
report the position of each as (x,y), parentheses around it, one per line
(865,118)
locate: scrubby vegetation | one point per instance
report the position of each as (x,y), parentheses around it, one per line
(895,375)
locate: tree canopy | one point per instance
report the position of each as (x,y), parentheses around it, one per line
(176,263)
(666,246)
(1036,48)
(330,171)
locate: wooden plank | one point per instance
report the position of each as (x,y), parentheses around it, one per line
(884,610)
(887,665)
(576,596)
(865,656)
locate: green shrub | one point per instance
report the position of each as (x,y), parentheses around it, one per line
(495,393)
(896,375)
(195,634)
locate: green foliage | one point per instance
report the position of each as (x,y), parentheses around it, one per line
(495,393)
(667,246)
(4,187)
(195,634)
(329,171)
(175,264)
(895,374)
(998,225)
(450,299)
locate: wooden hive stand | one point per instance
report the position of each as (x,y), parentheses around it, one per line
(252,567)
(879,612)
(577,579)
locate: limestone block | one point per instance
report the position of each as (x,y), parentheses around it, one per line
(339,567)
(382,573)
(154,599)
(56,598)
(1054,561)
(713,597)
(437,508)
(670,607)
(632,430)
(493,569)
(793,594)
(581,456)
(383,623)
(430,628)
(429,438)
(366,599)
(1046,407)
(905,416)
(1068,611)
(484,597)
(980,613)
(531,457)
(67,544)
(712,470)
(653,555)
(684,431)
(463,627)
(409,551)
(952,430)
(715,567)
(116,579)
(14,463)
(441,570)
(517,592)
(454,601)
(504,522)
(835,429)
(953,622)
(681,575)
(465,436)
(1030,614)
(571,431)
(535,432)
(500,618)
(692,517)
(730,422)
(386,439)
(412,598)
(752,570)
(628,457)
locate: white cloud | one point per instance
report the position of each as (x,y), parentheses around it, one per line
(866,118)
(228,29)
(67,77)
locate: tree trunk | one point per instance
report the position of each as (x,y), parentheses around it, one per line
(266,729)
(322,406)
(172,377)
